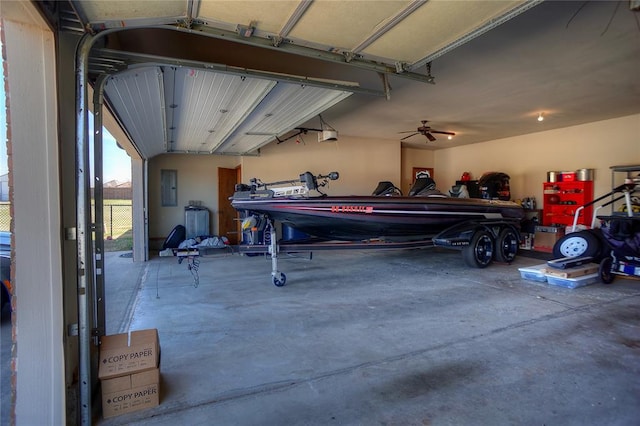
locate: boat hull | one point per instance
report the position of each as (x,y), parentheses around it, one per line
(357,218)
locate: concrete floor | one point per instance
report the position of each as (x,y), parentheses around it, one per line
(391,338)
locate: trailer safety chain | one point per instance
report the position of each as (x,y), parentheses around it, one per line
(193,263)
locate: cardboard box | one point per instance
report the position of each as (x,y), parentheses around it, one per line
(575,272)
(129,393)
(546,237)
(121,354)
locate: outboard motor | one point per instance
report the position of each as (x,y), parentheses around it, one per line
(495,186)
(386,188)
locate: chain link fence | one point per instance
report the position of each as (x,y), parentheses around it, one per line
(117,224)
(5,216)
(117,220)
(118,227)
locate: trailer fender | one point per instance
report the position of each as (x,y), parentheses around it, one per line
(460,235)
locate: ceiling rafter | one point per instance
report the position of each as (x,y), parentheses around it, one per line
(491,24)
(390,23)
(308,52)
(131,60)
(292,21)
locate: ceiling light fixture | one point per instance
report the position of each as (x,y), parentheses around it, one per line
(449,137)
(540,117)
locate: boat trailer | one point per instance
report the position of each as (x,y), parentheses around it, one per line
(479,240)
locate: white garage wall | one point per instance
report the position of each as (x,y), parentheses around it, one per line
(197,180)
(527,159)
(362,163)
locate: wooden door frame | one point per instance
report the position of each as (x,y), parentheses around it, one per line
(221,231)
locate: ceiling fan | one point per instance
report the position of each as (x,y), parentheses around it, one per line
(426,131)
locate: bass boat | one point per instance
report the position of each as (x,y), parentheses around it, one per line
(483,229)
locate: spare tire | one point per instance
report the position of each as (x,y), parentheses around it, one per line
(578,244)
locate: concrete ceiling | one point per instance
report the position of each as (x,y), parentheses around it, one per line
(496,64)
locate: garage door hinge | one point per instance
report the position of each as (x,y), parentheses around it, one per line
(72,330)
(70,233)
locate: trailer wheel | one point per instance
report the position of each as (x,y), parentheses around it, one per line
(479,252)
(577,244)
(279,279)
(604,270)
(507,245)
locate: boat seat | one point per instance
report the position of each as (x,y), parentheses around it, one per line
(423,186)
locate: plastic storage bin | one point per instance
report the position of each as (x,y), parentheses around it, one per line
(534,273)
(573,282)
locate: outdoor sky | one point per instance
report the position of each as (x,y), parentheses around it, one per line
(117,164)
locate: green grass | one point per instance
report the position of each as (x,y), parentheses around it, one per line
(122,243)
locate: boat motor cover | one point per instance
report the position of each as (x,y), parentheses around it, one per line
(310,180)
(495,185)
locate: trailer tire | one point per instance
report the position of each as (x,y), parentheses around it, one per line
(507,245)
(604,270)
(479,252)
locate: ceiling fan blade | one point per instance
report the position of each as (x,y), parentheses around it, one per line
(443,133)
(430,137)
(408,131)
(407,137)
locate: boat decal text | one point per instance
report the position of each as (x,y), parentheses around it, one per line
(352,209)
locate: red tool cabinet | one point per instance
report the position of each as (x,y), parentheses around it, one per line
(561,199)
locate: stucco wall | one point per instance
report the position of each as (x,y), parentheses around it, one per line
(527,159)
(362,163)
